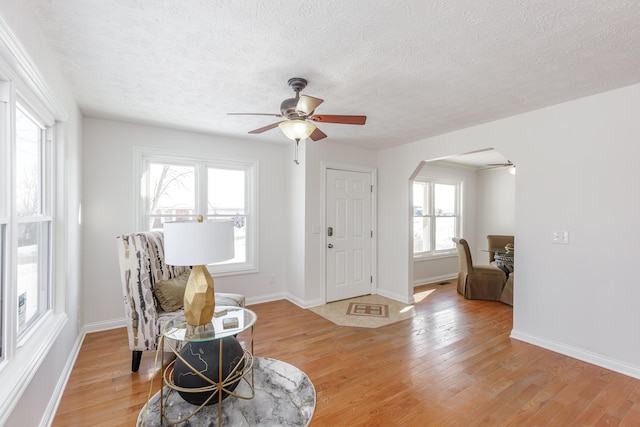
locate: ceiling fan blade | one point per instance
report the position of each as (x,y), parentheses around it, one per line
(254,114)
(307,104)
(347,120)
(317,135)
(266,128)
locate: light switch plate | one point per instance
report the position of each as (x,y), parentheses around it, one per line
(561,237)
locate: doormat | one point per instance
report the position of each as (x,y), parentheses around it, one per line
(342,313)
(367,309)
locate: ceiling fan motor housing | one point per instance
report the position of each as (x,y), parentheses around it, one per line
(288,109)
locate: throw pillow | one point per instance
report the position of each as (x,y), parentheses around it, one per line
(170,293)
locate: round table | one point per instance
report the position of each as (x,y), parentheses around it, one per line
(227,322)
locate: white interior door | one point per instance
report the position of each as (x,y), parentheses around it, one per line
(349,234)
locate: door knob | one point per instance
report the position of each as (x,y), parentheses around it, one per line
(330,245)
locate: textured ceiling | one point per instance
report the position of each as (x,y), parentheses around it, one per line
(415,68)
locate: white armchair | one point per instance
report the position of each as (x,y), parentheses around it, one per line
(142,268)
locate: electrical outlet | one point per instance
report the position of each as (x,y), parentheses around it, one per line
(560,237)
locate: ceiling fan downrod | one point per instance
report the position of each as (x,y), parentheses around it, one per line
(297,84)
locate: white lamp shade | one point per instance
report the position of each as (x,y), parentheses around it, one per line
(198,243)
(297,129)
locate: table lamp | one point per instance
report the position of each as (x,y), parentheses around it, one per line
(196,244)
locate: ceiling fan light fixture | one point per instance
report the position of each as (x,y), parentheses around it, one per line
(297,130)
(511,169)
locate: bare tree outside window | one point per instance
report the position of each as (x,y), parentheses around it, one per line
(172,193)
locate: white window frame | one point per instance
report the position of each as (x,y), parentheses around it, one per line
(47,187)
(20,81)
(145,155)
(431,181)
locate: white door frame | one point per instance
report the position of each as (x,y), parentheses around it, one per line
(372,171)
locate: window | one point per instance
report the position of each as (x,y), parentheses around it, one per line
(177,187)
(32,258)
(26,227)
(32,180)
(436,216)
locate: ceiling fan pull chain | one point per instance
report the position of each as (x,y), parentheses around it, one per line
(295,160)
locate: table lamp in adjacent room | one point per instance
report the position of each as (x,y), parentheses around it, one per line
(196,244)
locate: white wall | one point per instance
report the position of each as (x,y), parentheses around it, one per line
(496,208)
(287,191)
(296,224)
(109,210)
(576,172)
(40,397)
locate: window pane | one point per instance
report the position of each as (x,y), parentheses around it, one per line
(445,231)
(421,234)
(240,237)
(226,191)
(172,193)
(420,199)
(32,272)
(28,166)
(444,199)
(226,196)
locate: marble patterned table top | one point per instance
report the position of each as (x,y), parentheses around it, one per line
(284,396)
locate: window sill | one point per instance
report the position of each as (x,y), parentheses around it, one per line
(429,257)
(17,372)
(241,269)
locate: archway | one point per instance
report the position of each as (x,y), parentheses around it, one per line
(485,204)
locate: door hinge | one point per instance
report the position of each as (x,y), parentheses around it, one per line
(371,188)
(371,233)
(370,279)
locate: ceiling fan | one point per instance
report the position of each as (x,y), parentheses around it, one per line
(509,165)
(299,113)
(501,165)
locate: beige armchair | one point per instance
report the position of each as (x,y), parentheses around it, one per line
(477,281)
(497,241)
(507,293)
(148,285)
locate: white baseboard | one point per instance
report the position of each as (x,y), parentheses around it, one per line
(304,304)
(394,296)
(265,298)
(105,325)
(56,397)
(434,279)
(580,354)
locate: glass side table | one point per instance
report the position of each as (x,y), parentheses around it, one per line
(227,322)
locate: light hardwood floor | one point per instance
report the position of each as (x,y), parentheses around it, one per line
(453,364)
